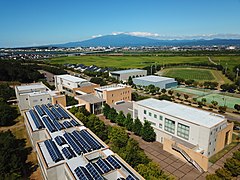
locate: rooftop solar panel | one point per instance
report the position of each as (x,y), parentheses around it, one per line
(53,151)
(103,166)
(94,172)
(38,123)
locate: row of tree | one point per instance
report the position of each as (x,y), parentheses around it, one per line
(230,170)
(119,141)
(144,130)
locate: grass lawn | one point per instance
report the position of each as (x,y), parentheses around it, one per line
(190,73)
(128,61)
(192,91)
(230,60)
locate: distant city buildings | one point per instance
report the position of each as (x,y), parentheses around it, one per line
(186,132)
(157,81)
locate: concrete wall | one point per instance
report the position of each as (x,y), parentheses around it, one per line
(59,99)
(124,77)
(86,89)
(168,83)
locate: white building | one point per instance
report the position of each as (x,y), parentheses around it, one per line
(68,83)
(157,81)
(68,150)
(33,94)
(199,134)
(123,75)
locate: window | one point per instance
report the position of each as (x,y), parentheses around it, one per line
(152,123)
(160,126)
(183,131)
(160,117)
(26,99)
(40,99)
(145,112)
(155,116)
(150,114)
(169,126)
(112,95)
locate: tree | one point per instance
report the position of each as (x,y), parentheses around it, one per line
(13,157)
(106,109)
(223,174)
(6,92)
(81,117)
(222,109)
(204,100)
(128,123)
(233,165)
(118,138)
(120,118)
(7,114)
(151,171)
(71,100)
(189,82)
(237,107)
(214,103)
(98,80)
(112,115)
(147,132)
(137,127)
(130,81)
(98,127)
(186,96)
(163,91)
(178,95)
(194,100)
(170,92)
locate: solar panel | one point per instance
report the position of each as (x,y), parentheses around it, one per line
(49,124)
(113,162)
(53,151)
(56,113)
(120,178)
(98,169)
(103,166)
(91,140)
(74,122)
(74,144)
(48,112)
(82,174)
(67,153)
(67,124)
(60,140)
(58,125)
(39,110)
(81,140)
(130,177)
(63,112)
(93,172)
(36,120)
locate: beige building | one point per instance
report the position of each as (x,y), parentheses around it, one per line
(29,95)
(66,149)
(114,93)
(189,133)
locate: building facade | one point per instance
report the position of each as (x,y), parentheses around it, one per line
(114,93)
(125,74)
(185,131)
(33,94)
(157,81)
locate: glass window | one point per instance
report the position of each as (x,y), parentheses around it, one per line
(145,112)
(183,131)
(160,117)
(160,126)
(152,123)
(169,126)
(150,114)
(155,116)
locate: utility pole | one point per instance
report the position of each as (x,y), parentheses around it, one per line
(237,73)
(226,69)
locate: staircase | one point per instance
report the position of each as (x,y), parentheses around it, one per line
(187,157)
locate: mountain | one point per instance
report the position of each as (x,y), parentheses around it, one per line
(121,40)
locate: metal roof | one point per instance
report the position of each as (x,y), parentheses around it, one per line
(90,98)
(72,78)
(31,87)
(152,78)
(128,71)
(190,114)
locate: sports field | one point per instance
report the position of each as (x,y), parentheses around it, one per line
(192,91)
(128,61)
(221,99)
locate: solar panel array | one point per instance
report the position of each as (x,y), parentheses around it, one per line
(97,169)
(49,115)
(53,150)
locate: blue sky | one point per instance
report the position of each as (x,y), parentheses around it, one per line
(37,22)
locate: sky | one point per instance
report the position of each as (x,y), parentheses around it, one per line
(41,22)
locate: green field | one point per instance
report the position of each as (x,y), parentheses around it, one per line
(192,91)
(230,60)
(221,99)
(127,61)
(190,73)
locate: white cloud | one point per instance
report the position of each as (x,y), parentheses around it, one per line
(99,35)
(143,34)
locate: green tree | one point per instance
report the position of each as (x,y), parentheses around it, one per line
(7,114)
(120,118)
(222,109)
(147,132)
(186,96)
(170,92)
(6,92)
(128,123)
(106,109)
(178,95)
(151,171)
(71,100)
(236,155)
(130,81)
(112,115)
(74,110)
(237,107)
(118,138)
(233,165)
(137,127)
(163,91)
(223,174)
(214,103)
(81,117)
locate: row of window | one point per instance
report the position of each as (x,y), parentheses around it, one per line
(155,116)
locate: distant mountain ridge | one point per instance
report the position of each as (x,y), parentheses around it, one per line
(121,40)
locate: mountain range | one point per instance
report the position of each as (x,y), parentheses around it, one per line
(121,40)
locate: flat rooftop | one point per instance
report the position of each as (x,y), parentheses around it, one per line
(72,78)
(111,87)
(33,86)
(128,71)
(152,78)
(90,98)
(190,114)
